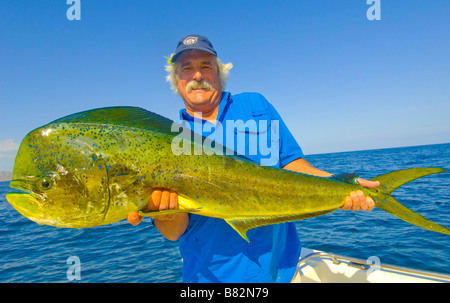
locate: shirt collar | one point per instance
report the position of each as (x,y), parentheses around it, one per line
(223,106)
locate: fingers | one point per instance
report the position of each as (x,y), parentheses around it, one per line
(367,183)
(358,201)
(134,218)
(155,200)
(159,200)
(169,200)
(347,203)
(162,200)
(173,204)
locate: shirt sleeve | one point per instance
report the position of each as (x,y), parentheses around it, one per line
(290,150)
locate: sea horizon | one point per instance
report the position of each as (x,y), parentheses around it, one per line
(378,148)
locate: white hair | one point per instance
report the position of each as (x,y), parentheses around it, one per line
(172,77)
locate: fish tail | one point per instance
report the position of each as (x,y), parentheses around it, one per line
(393,180)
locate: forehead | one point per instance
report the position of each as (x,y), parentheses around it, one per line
(195,56)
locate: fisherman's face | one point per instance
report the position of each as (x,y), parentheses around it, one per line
(198,82)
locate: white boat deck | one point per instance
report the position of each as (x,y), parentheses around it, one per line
(320,267)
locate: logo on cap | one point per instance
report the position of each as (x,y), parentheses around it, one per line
(190,40)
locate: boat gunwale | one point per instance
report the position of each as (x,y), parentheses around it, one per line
(337,259)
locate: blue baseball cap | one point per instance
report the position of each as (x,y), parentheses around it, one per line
(194,42)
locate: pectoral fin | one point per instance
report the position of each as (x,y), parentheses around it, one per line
(155,213)
(185,204)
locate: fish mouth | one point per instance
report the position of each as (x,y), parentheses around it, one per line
(20,201)
(24,186)
(28,206)
(25,201)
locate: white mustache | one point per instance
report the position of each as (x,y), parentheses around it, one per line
(194,84)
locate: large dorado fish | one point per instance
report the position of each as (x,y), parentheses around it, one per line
(95,167)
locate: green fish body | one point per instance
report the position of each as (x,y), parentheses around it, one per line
(95,167)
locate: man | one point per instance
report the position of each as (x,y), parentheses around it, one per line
(211,250)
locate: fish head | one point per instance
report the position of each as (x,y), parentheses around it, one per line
(62,179)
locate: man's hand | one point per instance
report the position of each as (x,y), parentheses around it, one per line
(159,200)
(357,200)
(170,226)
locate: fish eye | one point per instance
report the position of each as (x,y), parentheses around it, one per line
(45,183)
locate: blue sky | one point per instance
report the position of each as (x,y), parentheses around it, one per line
(340,81)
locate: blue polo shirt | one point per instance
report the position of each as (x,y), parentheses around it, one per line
(213,251)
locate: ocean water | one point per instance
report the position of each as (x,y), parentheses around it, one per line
(121,252)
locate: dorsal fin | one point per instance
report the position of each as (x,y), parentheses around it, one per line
(139,118)
(121,115)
